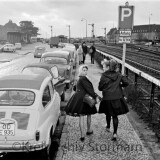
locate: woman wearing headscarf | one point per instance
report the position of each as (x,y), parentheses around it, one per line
(80,54)
(113,102)
(76,106)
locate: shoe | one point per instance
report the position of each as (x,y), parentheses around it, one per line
(114,138)
(107,129)
(89,133)
(82,139)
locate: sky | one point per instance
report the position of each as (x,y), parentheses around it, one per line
(62,13)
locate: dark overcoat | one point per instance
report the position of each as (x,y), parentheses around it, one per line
(113,101)
(76,106)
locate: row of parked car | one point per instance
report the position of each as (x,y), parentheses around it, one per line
(30,102)
(10,47)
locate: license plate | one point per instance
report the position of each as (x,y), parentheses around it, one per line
(7,129)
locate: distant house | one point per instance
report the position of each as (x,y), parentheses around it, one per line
(62,38)
(11,33)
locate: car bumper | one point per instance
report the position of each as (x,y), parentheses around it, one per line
(22,147)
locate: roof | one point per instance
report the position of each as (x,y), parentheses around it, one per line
(41,65)
(22,81)
(59,53)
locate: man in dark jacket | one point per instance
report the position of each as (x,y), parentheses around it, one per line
(85,50)
(92,51)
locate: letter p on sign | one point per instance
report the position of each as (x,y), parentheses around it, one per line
(126,17)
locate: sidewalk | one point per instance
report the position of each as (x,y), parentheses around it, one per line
(99,145)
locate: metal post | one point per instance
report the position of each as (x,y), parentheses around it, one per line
(51,31)
(123,58)
(152,101)
(86,25)
(69,33)
(127,72)
(136,79)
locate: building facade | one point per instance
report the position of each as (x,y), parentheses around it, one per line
(140,33)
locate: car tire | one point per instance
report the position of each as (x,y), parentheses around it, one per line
(45,154)
(63,96)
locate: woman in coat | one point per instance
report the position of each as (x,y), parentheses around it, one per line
(76,106)
(113,102)
(80,54)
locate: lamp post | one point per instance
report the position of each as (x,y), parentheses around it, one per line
(86,25)
(149,28)
(69,33)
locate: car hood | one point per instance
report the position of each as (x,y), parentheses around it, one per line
(23,123)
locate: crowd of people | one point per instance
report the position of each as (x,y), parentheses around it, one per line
(111,83)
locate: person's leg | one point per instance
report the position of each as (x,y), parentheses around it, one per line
(89,124)
(81,125)
(93,59)
(108,120)
(115,124)
(115,127)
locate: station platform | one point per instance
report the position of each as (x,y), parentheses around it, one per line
(99,146)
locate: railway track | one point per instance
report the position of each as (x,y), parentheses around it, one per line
(144,61)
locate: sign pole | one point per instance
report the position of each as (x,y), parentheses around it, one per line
(123,57)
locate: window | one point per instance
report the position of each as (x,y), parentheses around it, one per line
(46,98)
(51,87)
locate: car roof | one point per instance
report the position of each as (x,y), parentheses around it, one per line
(59,53)
(40,47)
(22,81)
(41,65)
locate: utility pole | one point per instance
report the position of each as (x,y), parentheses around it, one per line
(69,33)
(92,32)
(105,34)
(51,31)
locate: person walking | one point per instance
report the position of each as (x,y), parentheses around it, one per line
(92,51)
(80,54)
(85,51)
(76,106)
(113,102)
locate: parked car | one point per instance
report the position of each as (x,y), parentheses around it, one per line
(18,45)
(72,51)
(39,50)
(8,48)
(29,112)
(48,70)
(64,62)
(61,45)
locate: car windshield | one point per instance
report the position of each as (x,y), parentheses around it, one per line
(36,70)
(55,60)
(16,98)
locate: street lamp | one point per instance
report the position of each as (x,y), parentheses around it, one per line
(86,25)
(149,28)
(69,33)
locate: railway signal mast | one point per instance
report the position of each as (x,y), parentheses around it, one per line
(125,25)
(92,32)
(51,31)
(105,34)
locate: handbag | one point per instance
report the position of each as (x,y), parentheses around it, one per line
(89,100)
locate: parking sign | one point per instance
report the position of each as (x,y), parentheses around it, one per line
(125,17)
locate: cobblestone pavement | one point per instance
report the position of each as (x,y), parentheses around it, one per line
(99,145)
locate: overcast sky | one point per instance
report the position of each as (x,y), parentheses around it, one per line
(61,13)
